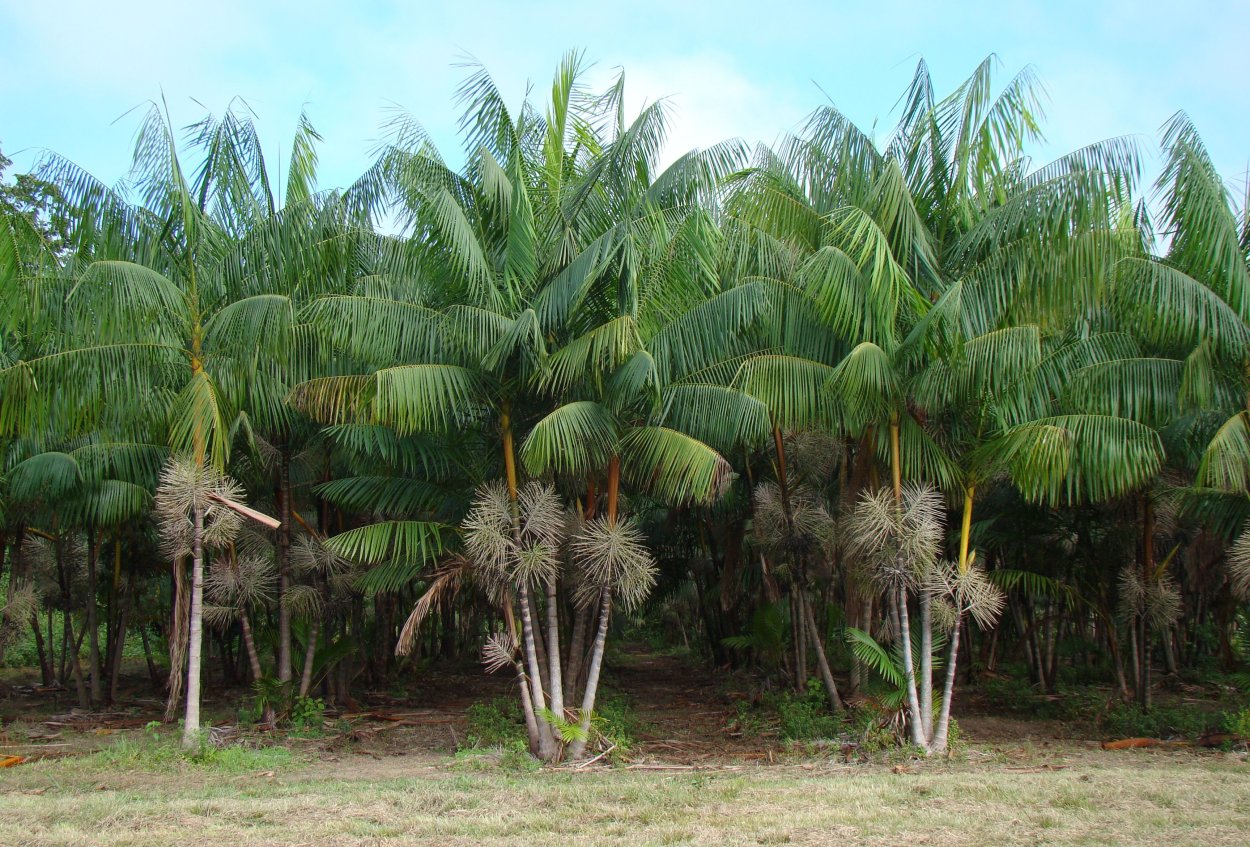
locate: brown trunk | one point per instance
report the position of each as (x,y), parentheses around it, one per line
(283,496)
(93,624)
(305,681)
(577,651)
(822,662)
(75,663)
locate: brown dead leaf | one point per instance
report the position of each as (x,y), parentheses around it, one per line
(10,761)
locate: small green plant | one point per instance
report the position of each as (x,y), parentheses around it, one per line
(307,716)
(152,729)
(1238,724)
(494,724)
(806,717)
(617,725)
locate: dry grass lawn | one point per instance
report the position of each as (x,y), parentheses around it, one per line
(1061,796)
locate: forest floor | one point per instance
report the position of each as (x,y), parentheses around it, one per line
(390,774)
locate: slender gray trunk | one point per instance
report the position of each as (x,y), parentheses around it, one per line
(578,748)
(942,730)
(533,671)
(46,662)
(909,669)
(800,641)
(253,661)
(926,663)
(553,651)
(527,707)
(191,726)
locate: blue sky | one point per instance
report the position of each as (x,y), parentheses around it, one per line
(72,70)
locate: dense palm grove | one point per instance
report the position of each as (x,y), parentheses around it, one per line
(796,406)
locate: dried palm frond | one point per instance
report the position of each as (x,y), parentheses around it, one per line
(252,542)
(967,592)
(219,617)
(1158,600)
(22,602)
(943,614)
(488,535)
(542,514)
(186,486)
(814,454)
(303,601)
(309,556)
(898,541)
(245,582)
(807,527)
(614,556)
(443,585)
(528,550)
(1239,565)
(536,563)
(499,651)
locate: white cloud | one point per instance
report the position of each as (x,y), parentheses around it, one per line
(710,100)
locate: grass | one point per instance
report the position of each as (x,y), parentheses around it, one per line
(142,796)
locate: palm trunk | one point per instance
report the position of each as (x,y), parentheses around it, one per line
(75,664)
(93,623)
(119,647)
(578,748)
(577,651)
(926,663)
(46,662)
(822,662)
(942,731)
(1147,575)
(555,681)
(284,564)
(527,708)
(798,631)
(909,670)
(546,743)
(191,727)
(310,652)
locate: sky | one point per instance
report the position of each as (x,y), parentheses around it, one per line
(78,74)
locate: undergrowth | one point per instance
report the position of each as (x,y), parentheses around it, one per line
(152,753)
(499,725)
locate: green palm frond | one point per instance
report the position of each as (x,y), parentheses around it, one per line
(672,466)
(1075,458)
(574,438)
(395,552)
(791,387)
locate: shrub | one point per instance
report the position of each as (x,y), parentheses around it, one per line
(806,717)
(1129,721)
(307,716)
(498,723)
(1238,724)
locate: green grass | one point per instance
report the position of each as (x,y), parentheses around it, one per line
(1090,798)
